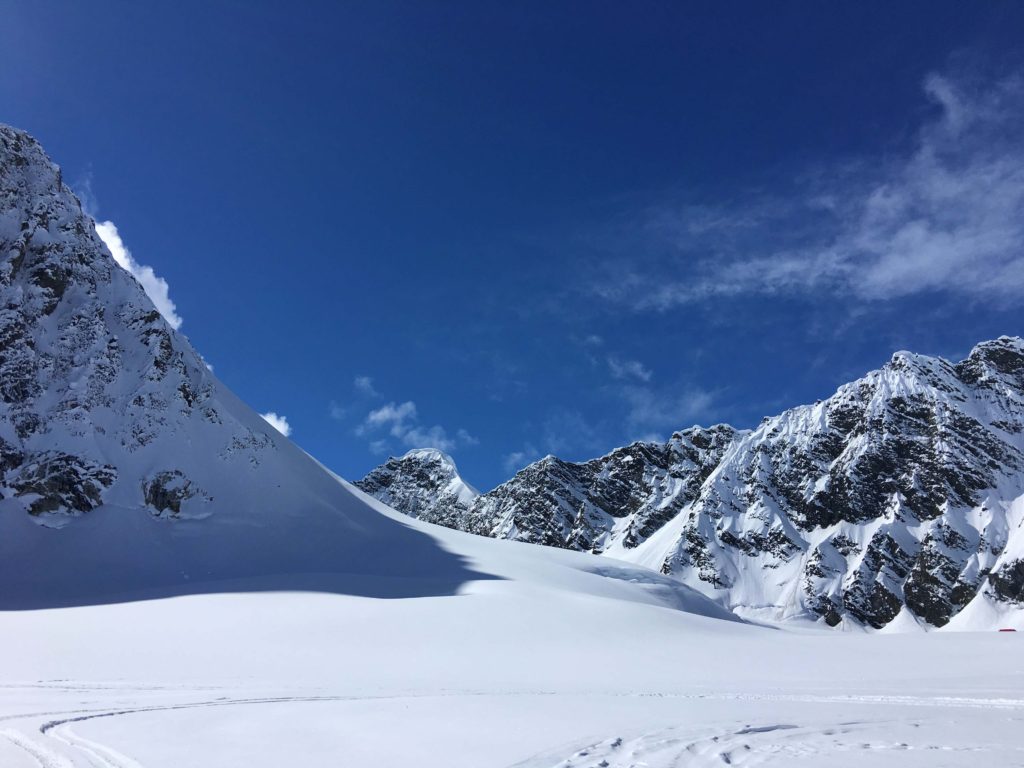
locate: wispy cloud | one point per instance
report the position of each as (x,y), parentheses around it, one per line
(363,385)
(566,430)
(86,194)
(516,460)
(649,413)
(395,417)
(464,438)
(653,413)
(280,423)
(364,390)
(945,215)
(628,369)
(401,421)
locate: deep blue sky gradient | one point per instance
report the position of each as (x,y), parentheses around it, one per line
(428,193)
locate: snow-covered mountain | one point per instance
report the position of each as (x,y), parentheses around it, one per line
(588,506)
(128,471)
(424,484)
(113,429)
(902,493)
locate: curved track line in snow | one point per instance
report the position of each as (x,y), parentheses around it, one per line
(102,756)
(42,756)
(51,713)
(749,746)
(698,744)
(775,743)
(958,702)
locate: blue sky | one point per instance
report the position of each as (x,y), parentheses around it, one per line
(510,229)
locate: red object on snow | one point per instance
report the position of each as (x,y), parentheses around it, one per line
(1007,630)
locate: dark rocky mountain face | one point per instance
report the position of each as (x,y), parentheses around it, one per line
(425,484)
(903,491)
(897,491)
(586,506)
(618,499)
(68,318)
(91,376)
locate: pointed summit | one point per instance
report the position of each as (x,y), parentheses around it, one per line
(425,484)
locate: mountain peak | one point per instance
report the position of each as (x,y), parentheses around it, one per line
(16,141)
(424,483)
(1006,353)
(429,454)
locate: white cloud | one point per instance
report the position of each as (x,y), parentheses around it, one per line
(86,196)
(401,421)
(566,430)
(465,438)
(513,462)
(364,389)
(628,369)
(651,410)
(429,437)
(364,386)
(280,423)
(946,214)
(396,418)
(155,287)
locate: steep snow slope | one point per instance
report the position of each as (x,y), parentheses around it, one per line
(898,491)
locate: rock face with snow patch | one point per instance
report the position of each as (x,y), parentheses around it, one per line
(89,368)
(904,489)
(423,484)
(898,490)
(622,497)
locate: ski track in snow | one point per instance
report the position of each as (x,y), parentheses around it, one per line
(778,744)
(781,743)
(39,754)
(49,740)
(101,756)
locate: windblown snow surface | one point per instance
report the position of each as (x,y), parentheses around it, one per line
(549,658)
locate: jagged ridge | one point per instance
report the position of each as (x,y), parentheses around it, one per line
(899,491)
